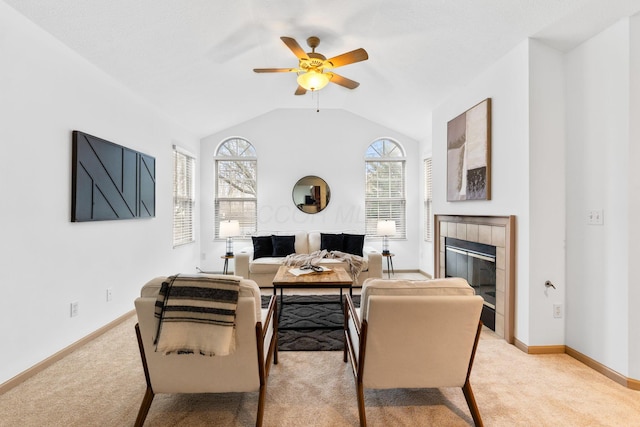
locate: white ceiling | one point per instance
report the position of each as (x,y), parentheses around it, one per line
(193,59)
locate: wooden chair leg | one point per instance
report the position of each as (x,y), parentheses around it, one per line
(471,402)
(275,329)
(144,407)
(275,337)
(466,388)
(261,398)
(345,329)
(361,413)
(149,394)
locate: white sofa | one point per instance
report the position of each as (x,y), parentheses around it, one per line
(262,270)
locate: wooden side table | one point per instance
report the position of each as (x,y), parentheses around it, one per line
(389,257)
(226,259)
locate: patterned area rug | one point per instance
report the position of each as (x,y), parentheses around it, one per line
(308,312)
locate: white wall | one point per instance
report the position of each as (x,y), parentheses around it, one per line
(634,201)
(331,144)
(527,167)
(562,132)
(599,165)
(546,194)
(506,83)
(46,91)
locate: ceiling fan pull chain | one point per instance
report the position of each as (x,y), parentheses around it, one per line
(317,95)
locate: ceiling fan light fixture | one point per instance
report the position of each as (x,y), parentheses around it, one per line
(314,80)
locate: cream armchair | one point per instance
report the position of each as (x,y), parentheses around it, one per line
(413,334)
(244,370)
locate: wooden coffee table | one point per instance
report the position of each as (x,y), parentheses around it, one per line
(336,278)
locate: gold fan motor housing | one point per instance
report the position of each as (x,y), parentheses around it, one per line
(315,60)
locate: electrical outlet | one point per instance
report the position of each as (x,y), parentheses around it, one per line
(109,294)
(595,217)
(557,311)
(74,309)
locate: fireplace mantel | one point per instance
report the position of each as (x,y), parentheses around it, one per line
(498,231)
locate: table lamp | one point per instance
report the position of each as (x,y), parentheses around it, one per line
(228,229)
(386,228)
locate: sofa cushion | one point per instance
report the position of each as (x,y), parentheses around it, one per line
(313,241)
(283,245)
(433,287)
(331,242)
(270,265)
(302,244)
(265,265)
(353,244)
(262,246)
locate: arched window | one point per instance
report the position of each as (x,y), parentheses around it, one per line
(385,186)
(236,184)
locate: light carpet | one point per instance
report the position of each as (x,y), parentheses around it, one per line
(102,384)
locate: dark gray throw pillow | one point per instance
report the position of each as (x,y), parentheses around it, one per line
(331,242)
(262,246)
(283,245)
(353,243)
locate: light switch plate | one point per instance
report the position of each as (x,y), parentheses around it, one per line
(595,217)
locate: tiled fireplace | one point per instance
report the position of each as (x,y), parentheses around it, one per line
(491,232)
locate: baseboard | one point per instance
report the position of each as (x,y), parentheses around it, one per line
(425,274)
(547,349)
(633,384)
(607,372)
(23,376)
(630,383)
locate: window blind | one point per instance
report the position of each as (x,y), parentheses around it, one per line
(428,201)
(183,197)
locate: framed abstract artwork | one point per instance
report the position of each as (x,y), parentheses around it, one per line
(469,154)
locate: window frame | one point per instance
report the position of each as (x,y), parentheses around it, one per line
(248,223)
(182,238)
(428,199)
(395,205)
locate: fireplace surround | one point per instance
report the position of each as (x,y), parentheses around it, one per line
(497,231)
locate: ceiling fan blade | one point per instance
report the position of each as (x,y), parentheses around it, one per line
(295,47)
(347,58)
(300,91)
(343,81)
(275,70)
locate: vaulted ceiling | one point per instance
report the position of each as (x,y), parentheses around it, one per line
(193,59)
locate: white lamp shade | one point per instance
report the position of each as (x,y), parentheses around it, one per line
(314,80)
(386,228)
(229,228)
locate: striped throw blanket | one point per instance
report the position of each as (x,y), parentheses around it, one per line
(196,314)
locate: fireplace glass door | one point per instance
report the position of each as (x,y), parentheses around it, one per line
(476,263)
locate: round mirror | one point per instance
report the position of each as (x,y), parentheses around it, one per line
(311,194)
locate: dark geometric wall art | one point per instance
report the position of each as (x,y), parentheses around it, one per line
(109,181)
(469,154)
